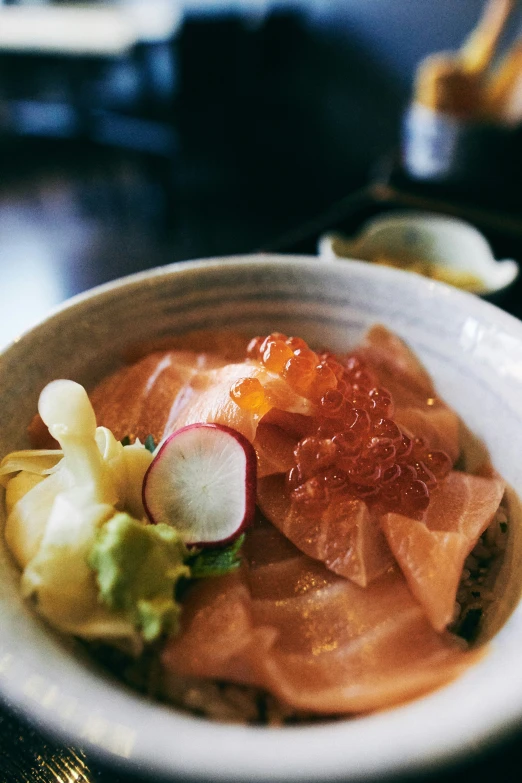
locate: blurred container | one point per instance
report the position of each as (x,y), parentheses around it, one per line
(456,133)
(480,160)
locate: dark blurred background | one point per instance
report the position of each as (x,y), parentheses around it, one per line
(141,132)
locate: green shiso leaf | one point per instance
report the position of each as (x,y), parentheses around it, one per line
(216,561)
(149,443)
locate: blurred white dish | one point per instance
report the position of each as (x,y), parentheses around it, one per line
(474,352)
(446,242)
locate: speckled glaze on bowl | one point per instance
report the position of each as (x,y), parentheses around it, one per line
(474,352)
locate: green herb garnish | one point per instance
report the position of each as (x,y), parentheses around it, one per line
(216,561)
(149,443)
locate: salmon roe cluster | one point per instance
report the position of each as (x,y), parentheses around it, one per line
(307,373)
(357,449)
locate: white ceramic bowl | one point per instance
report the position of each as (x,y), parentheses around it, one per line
(474,352)
(445,241)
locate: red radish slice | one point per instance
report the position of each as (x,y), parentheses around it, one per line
(203,482)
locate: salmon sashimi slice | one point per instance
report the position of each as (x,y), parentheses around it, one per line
(274,448)
(345,648)
(212,401)
(465,503)
(225,344)
(137,399)
(345,535)
(397,366)
(417,407)
(164,391)
(404,663)
(315,640)
(430,560)
(277,435)
(217,633)
(265,544)
(431,553)
(439,426)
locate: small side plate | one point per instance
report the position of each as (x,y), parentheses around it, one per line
(457,249)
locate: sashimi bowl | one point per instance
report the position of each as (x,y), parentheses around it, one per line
(355,611)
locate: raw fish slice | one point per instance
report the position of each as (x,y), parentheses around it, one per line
(431,553)
(315,640)
(431,561)
(417,407)
(217,632)
(412,389)
(398,368)
(222,343)
(438,425)
(165,391)
(296,425)
(344,648)
(345,535)
(213,403)
(465,504)
(265,544)
(138,399)
(274,449)
(277,435)
(287,574)
(405,662)
(285,579)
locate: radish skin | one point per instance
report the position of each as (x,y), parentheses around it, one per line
(203,482)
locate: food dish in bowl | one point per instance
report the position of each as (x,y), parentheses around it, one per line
(292,549)
(257,295)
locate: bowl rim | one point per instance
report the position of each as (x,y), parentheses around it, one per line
(252,259)
(270,753)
